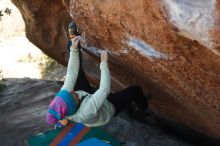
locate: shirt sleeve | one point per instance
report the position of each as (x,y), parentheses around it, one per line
(98,98)
(72,70)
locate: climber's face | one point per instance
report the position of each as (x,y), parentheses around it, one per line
(76,99)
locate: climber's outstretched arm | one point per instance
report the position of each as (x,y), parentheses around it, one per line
(73,66)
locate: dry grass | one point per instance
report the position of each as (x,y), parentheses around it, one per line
(51,70)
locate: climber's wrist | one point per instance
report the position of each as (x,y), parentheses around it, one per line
(74,49)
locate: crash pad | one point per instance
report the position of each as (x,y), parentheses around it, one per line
(93,141)
(72,134)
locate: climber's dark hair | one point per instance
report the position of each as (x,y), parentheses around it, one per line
(73,29)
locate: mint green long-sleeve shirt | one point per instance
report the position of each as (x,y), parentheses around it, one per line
(95,110)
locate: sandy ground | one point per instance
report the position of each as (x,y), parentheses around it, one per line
(18,56)
(14,46)
(14,58)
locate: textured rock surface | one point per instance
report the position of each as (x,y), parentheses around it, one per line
(45,25)
(169,47)
(23,105)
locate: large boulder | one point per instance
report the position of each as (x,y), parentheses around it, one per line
(168,47)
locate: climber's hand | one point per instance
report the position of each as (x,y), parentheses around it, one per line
(75,42)
(104,56)
(62,123)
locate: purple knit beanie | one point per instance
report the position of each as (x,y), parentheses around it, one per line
(62,105)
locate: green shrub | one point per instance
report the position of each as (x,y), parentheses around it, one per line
(7,11)
(2,84)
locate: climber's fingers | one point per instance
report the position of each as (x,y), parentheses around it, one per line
(75,42)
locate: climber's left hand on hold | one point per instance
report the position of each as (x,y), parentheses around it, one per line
(75,42)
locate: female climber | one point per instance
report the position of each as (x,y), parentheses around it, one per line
(95,109)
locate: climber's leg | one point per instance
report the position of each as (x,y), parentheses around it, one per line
(125,98)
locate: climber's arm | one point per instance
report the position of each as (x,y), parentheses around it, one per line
(73,66)
(97,99)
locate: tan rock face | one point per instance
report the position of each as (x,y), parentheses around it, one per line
(45,25)
(170,48)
